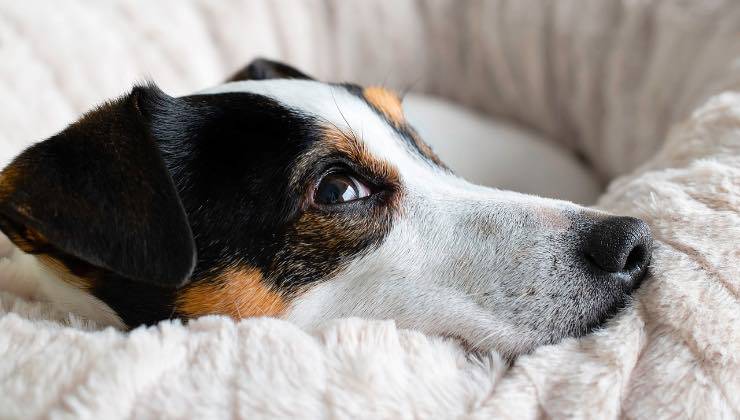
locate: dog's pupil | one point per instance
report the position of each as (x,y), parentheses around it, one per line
(336,188)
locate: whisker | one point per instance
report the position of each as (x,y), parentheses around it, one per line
(410,86)
(479,342)
(352,130)
(475,294)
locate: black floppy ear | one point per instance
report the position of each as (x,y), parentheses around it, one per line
(100,191)
(262,69)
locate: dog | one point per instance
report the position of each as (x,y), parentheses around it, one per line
(274,194)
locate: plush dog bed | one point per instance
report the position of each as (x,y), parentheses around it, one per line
(606,79)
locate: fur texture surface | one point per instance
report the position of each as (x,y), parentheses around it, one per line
(673,353)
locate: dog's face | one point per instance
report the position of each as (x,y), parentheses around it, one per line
(278,195)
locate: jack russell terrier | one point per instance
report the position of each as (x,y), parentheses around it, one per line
(277,195)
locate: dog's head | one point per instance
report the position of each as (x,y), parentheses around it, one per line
(275,194)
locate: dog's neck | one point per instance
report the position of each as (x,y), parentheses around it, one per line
(25,276)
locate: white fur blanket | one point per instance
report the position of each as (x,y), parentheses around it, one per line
(606,77)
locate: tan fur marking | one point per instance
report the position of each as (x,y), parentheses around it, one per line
(62,272)
(386,102)
(27,240)
(8,179)
(356,151)
(389,104)
(238,292)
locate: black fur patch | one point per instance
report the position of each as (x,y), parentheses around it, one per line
(263,69)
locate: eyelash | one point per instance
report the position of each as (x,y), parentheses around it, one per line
(348,168)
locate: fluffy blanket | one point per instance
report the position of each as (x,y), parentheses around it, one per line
(606,78)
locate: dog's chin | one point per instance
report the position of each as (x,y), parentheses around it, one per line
(536,339)
(617,306)
(601,321)
(480,351)
(466,344)
(481,348)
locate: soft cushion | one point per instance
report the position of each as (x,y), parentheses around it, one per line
(497,154)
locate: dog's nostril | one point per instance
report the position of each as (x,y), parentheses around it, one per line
(620,246)
(635,259)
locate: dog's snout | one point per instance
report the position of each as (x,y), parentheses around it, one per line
(619,247)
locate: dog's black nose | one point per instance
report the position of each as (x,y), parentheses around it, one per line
(620,247)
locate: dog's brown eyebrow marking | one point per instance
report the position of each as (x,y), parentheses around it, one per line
(238,292)
(355,150)
(388,104)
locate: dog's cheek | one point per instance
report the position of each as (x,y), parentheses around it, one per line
(238,292)
(320,245)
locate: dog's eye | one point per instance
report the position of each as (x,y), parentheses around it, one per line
(337,188)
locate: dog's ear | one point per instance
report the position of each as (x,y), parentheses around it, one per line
(99,191)
(262,69)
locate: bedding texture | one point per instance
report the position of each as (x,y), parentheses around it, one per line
(643,90)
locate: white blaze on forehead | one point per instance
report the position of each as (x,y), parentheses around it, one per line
(335,105)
